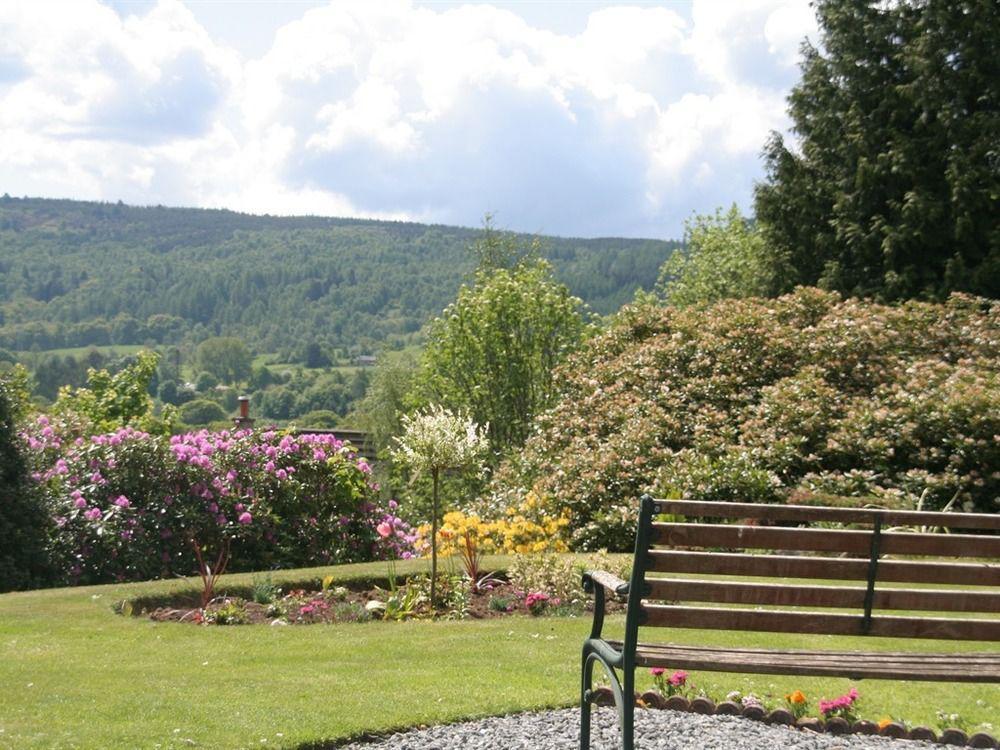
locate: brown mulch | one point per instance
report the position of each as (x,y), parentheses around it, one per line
(302,607)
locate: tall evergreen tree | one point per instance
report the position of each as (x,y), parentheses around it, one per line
(894,189)
(24,524)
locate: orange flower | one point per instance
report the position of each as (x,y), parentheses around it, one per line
(797,697)
(883,723)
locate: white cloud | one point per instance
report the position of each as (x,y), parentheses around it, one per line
(386,109)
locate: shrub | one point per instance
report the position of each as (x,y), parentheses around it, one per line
(201,411)
(24,524)
(763,400)
(521,530)
(130,506)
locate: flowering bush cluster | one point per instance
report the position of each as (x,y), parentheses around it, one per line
(800,397)
(522,530)
(798,704)
(673,684)
(537,602)
(128,505)
(842,706)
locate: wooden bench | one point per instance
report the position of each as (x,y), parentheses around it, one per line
(759,544)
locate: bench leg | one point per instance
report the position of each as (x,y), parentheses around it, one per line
(627,715)
(585,708)
(625,706)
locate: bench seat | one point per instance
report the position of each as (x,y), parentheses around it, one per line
(883,665)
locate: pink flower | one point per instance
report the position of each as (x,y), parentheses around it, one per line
(245,518)
(678,678)
(384,529)
(657,671)
(93,514)
(363,467)
(122,502)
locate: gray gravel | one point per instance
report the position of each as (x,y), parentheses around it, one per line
(663,730)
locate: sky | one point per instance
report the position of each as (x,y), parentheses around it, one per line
(576,118)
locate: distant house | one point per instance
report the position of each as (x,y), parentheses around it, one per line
(365,360)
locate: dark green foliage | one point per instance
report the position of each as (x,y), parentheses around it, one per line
(201,411)
(205,381)
(225,358)
(805,396)
(80,274)
(24,524)
(896,190)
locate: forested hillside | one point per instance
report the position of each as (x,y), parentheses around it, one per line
(80,274)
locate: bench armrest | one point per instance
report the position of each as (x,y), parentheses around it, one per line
(597,582)
(608,581)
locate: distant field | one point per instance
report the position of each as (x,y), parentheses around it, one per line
(118,350)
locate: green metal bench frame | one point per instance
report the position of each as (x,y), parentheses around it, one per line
(866,563)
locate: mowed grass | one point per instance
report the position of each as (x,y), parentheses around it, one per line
(73,674)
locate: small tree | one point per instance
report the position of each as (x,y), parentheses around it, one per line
(726,256)
(435,440)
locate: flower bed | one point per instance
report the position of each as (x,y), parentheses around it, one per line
(492,596)
(837,715)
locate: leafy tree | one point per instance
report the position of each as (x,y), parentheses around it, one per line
(314,356)
(225,357)
(725,256)
(894,188)
(492,352)
(201,411)
(24,524)
(205,381)
(167,392)
(321,419)
(112,401)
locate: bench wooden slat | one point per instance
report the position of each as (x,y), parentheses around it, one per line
(955,667)
(819,623)
(822,568)
(822,540)
(785,595)
(808,513)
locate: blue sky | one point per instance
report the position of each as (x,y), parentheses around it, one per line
(570,118)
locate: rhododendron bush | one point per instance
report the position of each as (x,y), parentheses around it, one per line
(803,398)
(128,505)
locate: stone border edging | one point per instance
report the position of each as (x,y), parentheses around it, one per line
(781,716)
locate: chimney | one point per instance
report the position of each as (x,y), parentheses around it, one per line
(243,421)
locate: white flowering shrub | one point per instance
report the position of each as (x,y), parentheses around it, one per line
(438,439)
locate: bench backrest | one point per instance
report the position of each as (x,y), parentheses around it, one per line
(867,549)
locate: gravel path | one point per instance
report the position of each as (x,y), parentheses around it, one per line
(663,730)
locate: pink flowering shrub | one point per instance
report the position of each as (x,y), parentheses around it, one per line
(128,505)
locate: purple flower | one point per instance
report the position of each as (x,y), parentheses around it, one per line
(93,514)
(245,518)
(122,502)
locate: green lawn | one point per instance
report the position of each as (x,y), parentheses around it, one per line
(73,674)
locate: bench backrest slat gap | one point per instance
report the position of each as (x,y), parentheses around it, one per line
(818,623)
(731,536)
